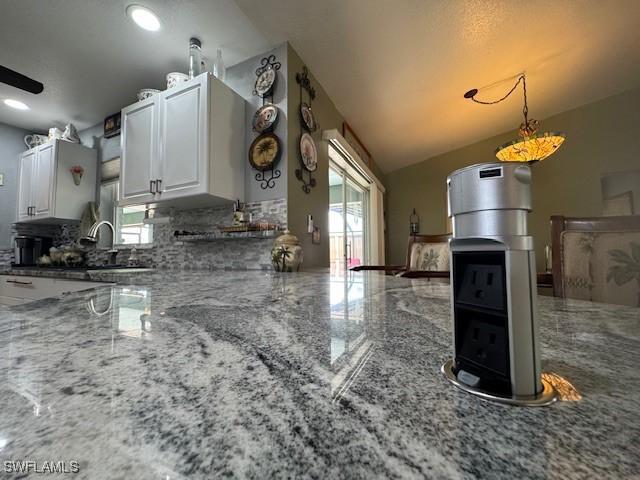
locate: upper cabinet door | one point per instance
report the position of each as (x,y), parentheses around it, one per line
(44,178)
(25,199)
(139,149)
(184,140)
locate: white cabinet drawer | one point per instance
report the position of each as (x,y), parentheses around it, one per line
(12,301)
(35,288)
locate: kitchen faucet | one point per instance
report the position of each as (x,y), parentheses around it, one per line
(91,239)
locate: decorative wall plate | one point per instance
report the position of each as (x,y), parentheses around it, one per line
(308,152)
(265,118)
(265,152)
(265,82)
(308,120)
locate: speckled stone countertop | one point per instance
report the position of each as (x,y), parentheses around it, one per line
(261,375)
(115,275)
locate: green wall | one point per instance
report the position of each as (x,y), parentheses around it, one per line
(316,203)
(602,137)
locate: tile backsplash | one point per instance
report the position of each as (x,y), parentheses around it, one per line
(168,252)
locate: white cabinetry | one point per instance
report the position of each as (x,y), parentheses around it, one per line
(15,290)
(184,146)
(139,150)
(46,190)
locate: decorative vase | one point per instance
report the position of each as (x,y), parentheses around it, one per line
(76,172)
(218,69)
(286,255)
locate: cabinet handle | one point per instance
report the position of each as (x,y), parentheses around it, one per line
(152,186)
(18,282)
(159,182)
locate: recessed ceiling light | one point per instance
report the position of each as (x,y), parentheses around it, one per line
(15,104)
(144,17)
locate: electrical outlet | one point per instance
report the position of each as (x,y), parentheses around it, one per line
(1,179)
(484,343)
(482,285)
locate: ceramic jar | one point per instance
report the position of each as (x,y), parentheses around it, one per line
(176,78)
(286,255)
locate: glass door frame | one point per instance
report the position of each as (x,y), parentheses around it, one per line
(362,186)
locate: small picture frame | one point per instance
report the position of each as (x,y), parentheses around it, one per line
(112,125)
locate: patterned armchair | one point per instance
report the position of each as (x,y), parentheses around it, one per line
(427,257)
(597,258)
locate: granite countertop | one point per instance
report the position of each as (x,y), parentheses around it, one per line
(93,274)
(262,375)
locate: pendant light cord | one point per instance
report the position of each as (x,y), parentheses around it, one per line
(520,79)
(525,109)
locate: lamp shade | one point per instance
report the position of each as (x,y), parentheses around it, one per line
(530,149)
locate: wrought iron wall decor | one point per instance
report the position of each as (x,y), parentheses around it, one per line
(304,82)
(265,151)
(308,182)
(308,151)
(267,76)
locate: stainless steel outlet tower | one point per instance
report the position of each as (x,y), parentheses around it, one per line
(493,286)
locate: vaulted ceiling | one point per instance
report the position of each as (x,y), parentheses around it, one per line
(396,69)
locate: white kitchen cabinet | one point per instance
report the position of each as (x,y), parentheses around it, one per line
(18,289)
(139,150)
(183,148)
(27,168)
(46,190)
(188,150)
(43,186)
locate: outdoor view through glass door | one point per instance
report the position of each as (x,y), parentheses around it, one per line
(347,221)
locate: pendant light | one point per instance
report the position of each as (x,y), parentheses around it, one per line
(531,146)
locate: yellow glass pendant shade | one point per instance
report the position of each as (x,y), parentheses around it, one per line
(530,149)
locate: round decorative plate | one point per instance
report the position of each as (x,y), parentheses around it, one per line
(265,152)
(308,120)
(265,118)
(308,152)
(265,82)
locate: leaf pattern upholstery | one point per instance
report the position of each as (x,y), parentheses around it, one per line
(601,266)
(429,257)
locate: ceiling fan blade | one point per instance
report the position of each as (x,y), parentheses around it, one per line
(15,79)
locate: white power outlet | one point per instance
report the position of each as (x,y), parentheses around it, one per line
(1,179)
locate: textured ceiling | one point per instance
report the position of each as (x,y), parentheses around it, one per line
(92,59)
(397,69)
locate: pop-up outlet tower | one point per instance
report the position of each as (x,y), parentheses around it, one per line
(493,286)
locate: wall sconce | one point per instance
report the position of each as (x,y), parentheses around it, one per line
(414,223)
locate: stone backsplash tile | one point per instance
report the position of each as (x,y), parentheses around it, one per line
(167,252)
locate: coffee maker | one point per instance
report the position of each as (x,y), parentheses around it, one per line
(29,249)
(493,286)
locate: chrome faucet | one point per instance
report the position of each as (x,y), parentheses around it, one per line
(91,239)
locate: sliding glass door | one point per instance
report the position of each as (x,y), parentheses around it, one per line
(348,202)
